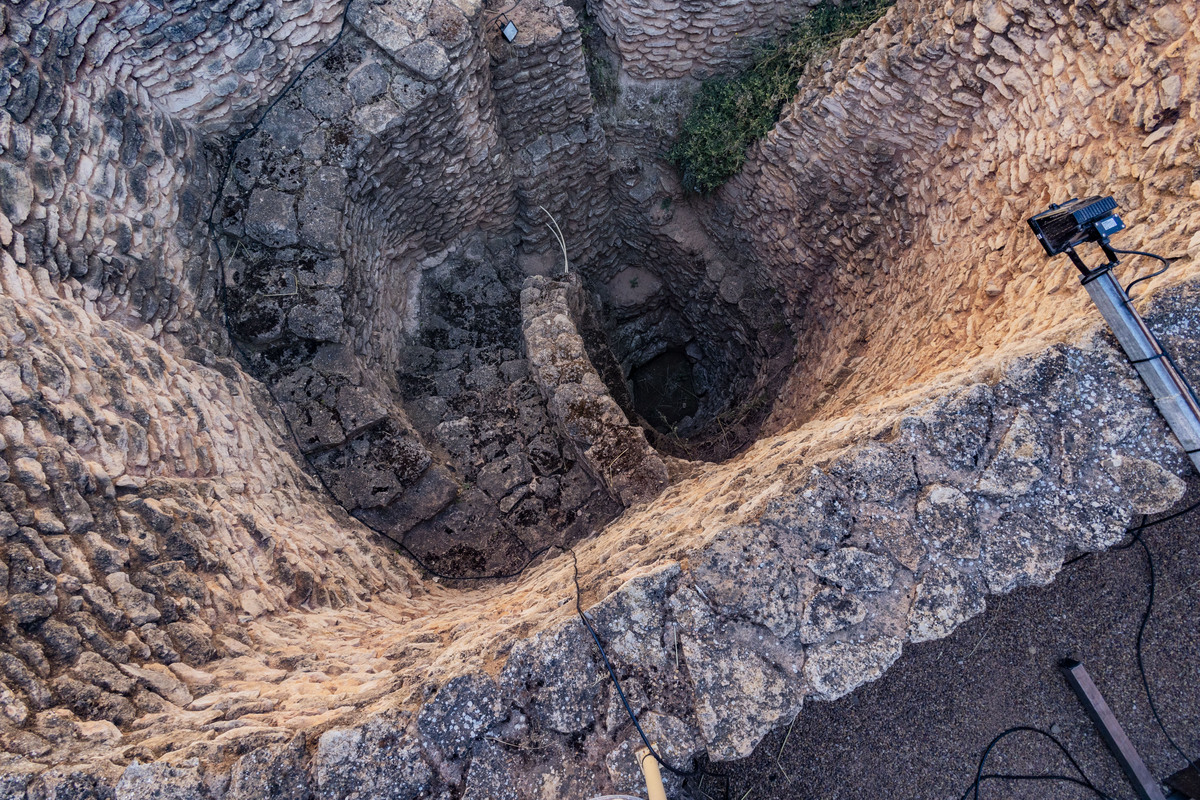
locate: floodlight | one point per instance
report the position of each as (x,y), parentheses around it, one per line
(1060,229)
(507,29)
(1075,222)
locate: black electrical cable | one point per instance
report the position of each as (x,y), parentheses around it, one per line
(1084,781)
(1162,351)
(1166,265)
(1137,539)
(1140,663)
(1046,777)
(612,674)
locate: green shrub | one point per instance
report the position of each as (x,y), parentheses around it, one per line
(601,75)
(731,113)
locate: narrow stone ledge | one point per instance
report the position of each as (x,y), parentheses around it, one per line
(615,452)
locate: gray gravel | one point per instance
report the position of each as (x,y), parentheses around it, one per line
(918,732)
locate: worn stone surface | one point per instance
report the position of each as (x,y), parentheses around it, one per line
(379,759)
(462,710)
(161,782)
(612,450)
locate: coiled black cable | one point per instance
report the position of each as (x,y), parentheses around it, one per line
(1083,779)
(1138,647)
(1166,265)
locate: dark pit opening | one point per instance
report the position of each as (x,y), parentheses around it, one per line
(664,390)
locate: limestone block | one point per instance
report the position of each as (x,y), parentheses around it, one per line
(490,777)
(159,781)
(271,218)
(556,678)
(378,758)
(855,569)
(744,574)
(946,597)
(274,772)
(947,521)
(725,674)
(462,710)
(1019,461)
(834,670)
(828,611)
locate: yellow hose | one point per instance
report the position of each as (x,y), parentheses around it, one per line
(654,781)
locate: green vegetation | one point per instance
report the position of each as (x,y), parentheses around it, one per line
(731,113)
(601,76)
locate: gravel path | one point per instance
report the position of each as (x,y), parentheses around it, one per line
(919,731)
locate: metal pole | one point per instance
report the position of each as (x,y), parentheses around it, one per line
(1172,394)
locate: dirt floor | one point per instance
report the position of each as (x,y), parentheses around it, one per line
(919,731)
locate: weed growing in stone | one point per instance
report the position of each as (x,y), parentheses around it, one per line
(601,75)
(731,113)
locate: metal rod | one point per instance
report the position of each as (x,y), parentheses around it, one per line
(1144,784)
(1171,392)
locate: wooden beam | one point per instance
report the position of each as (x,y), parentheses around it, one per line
(1144,784)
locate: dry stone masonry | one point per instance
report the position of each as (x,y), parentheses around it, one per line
(614,451)
(963,119)
(659,40)
(204,430)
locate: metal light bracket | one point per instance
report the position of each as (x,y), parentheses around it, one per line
(1172,393)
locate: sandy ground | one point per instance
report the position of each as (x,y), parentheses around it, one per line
(919,731)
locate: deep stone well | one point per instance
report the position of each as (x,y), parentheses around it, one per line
(196,422)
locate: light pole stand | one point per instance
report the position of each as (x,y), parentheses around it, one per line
(1172,394)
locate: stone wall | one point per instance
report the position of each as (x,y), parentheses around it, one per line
(187,611)
(613,451)
(659,40)
(468,386)
(101,169)
(557,145)
(363,277)
(894,190)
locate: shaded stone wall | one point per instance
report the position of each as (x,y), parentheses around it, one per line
(363,278)
(673,286)
(100,171)
(378,155)
(557,145)
(469,389)
(432,174)
(656,39)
